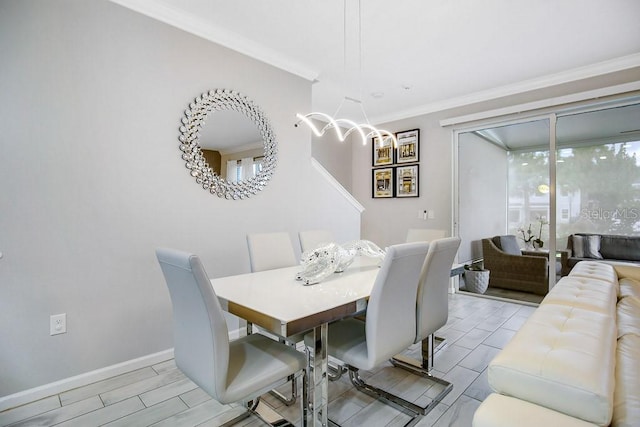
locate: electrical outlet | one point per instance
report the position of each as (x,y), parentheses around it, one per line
(58,324)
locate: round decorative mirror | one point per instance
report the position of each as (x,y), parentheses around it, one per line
(225,161)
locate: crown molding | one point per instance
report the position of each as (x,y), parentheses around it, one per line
(632,87)
(192,24)
(594,70)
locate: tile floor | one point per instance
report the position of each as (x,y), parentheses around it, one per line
(160,395)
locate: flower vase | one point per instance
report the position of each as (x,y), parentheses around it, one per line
(538,244)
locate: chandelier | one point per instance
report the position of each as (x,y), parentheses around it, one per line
(366,130)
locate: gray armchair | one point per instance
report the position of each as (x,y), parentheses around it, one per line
(510,269)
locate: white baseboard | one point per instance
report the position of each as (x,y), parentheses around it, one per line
(46,390)
(50,389)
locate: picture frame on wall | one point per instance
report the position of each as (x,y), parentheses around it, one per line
(408,149)
(382,151)
(407,181)
(382,183)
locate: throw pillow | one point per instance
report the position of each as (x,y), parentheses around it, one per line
(509,244)
(577,246)
(586,246)
(592,247)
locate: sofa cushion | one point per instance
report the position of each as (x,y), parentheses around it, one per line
(629,288)
(595,270)
(586,246)
(563,358)
(508,244)
(504,411)
(628,317)
(620,247)
(583,292)
(626,400)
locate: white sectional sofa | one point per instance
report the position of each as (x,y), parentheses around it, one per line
(576,361)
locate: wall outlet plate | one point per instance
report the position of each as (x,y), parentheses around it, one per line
(58,324)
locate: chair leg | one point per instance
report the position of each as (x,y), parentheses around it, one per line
(268,415)
(294,393)
(334,373)
(424,370)
(428,353)
(294,384)
(238,418)
(263,411)
(304,405)
(409,408)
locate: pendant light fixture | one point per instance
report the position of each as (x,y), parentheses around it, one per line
(365,130)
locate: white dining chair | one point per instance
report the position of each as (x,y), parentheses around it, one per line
(311,239)
(432,311)
(229,371)
(390,324)
(424,234)
(270,250)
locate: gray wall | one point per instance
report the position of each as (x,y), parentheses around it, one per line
(386,221)
(91,181)
(335,156)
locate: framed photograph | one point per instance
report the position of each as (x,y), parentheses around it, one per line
(407,181)
(382,151)
(408,146)
(382,186)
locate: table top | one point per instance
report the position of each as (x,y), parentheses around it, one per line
(274,300)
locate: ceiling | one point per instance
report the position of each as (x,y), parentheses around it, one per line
(417,56)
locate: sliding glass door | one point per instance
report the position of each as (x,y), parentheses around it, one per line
(547,178)
(504,189)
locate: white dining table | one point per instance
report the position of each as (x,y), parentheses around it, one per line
(275,301)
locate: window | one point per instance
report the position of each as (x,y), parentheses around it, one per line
(601,186)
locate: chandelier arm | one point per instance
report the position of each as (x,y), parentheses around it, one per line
(332,124)
(354,128)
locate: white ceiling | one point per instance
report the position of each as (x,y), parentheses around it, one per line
(421,55)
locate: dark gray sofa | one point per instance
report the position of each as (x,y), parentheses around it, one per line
(608,247)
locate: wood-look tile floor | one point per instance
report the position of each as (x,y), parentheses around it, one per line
(160,395)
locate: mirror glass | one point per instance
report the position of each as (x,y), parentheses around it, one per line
(232,145)
(228,144)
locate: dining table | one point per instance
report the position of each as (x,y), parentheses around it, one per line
(275,301)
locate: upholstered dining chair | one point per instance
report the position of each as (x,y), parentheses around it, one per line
(390,324)
(270,250)
(310,239)
(432,311)
(424,234)
(229,371)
